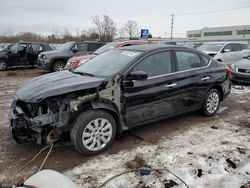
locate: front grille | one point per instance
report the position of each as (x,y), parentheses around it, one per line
(244,70)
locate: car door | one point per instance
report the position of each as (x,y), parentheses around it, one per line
(33,50)
(226,54)
(22,54)
(193,80)
(155,97)
(12,55)
(237,54)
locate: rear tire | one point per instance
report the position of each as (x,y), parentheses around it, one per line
(58,66)
(93,132)
(3,65)
(211,103)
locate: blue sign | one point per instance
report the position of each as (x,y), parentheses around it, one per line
(144,33)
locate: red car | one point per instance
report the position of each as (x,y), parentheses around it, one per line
(76,61)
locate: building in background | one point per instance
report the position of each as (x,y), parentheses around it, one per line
(232,33)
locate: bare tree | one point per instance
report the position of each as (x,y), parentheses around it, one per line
(106,28)
(131,28)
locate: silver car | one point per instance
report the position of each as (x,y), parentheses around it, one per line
(226,52)
(241,70)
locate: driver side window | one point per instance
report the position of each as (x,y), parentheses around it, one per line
(228,47)
(14,48)
(156,64)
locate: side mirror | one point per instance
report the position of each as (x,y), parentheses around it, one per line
(226,50)
(74,50)
(137,75)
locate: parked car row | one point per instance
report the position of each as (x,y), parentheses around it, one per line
(21,53)
(234,55)
(56,60)
(76,61)
(73,54)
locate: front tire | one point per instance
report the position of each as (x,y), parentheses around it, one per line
(58,66)
(211,103)
(93,132)
(3,65)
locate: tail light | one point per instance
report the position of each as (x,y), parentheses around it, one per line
(229,71)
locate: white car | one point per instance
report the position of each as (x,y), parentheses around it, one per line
(226,52)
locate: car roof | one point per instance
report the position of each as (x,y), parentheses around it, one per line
(129,42)
(154,47)
(225,42)
(95,42)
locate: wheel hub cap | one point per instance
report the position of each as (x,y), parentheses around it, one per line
(212,102)
(97,134)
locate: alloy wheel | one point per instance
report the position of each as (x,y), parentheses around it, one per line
(97,134)
(59,67)
(212,102)
(2,65)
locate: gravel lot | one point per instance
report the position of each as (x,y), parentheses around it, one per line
(204,152)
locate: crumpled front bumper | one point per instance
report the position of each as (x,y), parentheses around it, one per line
(22,128)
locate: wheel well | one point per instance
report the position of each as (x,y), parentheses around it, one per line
(102,106)
(56,60)
(219,89)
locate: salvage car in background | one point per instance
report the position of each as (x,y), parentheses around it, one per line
(241,70)
(116,91)
(226,52)
(76,61)
(21,53)
(56,60)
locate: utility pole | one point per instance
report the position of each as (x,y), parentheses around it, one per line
(172,26)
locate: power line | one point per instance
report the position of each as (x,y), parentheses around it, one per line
(197,13)
(212,11)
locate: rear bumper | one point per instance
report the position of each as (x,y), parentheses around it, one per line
(241,77)
(226,87)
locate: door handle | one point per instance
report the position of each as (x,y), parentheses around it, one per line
(205,78)
(171,85)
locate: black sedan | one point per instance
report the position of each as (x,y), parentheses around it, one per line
(116,91)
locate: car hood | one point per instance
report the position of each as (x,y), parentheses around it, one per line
(82,57)
(244,63)
(211,53)
(3,52)
(53,84)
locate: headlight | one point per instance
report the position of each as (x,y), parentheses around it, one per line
(43,56)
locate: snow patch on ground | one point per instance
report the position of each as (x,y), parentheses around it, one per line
(205,156)
(240,89)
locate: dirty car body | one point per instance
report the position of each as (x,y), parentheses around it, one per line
(122,84)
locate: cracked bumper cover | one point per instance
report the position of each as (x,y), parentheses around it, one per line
(25,129)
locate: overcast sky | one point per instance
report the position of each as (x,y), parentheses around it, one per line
(46,16)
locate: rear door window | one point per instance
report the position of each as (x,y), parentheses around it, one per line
(187,60)
(243,46)
(81,47)
(93,47)
(236,47)
(156,64)
(35,48)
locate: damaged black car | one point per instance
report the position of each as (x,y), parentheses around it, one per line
(116,91)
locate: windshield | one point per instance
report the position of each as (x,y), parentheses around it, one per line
(108,63)
(65,47)
(215,47)
(105,48)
